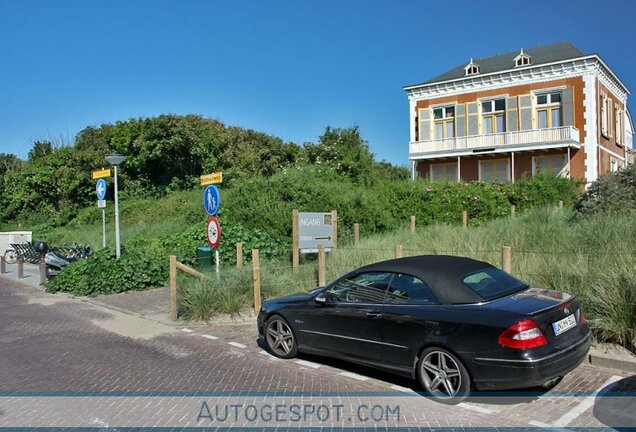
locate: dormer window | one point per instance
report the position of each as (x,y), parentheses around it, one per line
(523,59)
(471,68)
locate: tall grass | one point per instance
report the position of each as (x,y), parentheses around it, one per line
(593,258)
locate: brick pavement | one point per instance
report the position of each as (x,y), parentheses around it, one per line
(56,344)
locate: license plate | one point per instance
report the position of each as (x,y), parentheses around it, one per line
(563,325)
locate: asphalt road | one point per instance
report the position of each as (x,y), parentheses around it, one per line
(65,362)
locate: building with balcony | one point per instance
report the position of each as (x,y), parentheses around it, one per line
(545,109)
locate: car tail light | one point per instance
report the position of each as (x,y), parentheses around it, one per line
(523,335)
(582,318)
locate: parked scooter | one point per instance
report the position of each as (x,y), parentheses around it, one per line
(56,261)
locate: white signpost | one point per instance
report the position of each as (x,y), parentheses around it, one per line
(315,228)
(100,188)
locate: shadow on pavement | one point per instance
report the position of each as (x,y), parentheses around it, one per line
(615,405)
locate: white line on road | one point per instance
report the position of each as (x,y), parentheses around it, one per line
(269,356)
(187,330)
(585,404)
(207,336)
(238,345)
(403,389)
(354,376)
(477,408)
(308,364)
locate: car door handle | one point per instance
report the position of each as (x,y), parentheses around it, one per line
(374,315)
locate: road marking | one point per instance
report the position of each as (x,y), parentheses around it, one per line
(308,364)
(403,389)
(269,356)
(187,330)
(238,345)
(354,376)
(207,336)
(584,405)
(475,408)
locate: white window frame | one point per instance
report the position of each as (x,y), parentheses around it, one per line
(548,106)
(562,173)
(443,120)
(447,169)
(494,161)
(604,116)
(493,113)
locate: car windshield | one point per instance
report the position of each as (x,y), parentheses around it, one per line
(492,283)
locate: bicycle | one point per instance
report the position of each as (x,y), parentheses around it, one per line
(10,256)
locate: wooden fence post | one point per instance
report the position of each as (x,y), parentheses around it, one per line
(173,288)
(356,233)
(239,255)
(398,251)
(560,205)
(256,281)
(513,210)
(295,257)
(42,267)
(412,224)
(506,259)
(334,220)
(322,277)
(20,268)
(465,219)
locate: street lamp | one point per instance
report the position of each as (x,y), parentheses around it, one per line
(115,159)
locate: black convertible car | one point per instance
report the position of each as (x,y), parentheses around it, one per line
(453,323)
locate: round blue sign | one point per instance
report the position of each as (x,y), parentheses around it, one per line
(211,200)
(101,189)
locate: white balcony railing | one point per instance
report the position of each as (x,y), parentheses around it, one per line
(558,136)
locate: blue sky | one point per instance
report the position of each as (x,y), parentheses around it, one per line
(288,68)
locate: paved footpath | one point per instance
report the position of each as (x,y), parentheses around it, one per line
(68,362)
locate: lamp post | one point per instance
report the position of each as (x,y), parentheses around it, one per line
(115,159)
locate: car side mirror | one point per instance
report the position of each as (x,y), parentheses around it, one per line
(321,298)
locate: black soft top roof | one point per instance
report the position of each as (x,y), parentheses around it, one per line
(442,273)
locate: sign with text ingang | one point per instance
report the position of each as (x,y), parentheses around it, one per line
(315,228)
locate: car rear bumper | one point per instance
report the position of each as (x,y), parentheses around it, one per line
(503,374)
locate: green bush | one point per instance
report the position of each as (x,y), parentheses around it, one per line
(101,273)
(612,193)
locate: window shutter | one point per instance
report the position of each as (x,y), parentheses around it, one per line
(568,107)
(460,119)
(472,116)
(512,114)
(604,115)
(425,124)
(610,115)
(525,112)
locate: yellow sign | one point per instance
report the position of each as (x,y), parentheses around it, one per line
(213,178)
(101,174)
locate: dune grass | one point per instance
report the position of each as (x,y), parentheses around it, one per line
(593,258)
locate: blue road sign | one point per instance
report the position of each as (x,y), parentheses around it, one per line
(211,200)
(101,189)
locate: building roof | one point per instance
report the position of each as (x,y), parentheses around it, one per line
(442,273)
(499,63)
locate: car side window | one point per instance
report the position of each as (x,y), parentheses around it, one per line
(367,287)
(406,289)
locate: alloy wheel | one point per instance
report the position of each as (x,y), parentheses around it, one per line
(280,337)
(441,375)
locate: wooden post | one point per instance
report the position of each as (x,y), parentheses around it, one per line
(506,259)
(560,205)
(239,255)
(322,278)
(398,251)
(256,281)
(42,272)
(295,252)
(356,233)
(513,209)
(20,268)
(3,265)
(465,219)
(173,288)
(334,220)
(412,224)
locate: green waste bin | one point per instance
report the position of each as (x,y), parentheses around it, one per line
(204,258)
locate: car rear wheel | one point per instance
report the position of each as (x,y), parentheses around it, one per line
(280,338)
(443,375)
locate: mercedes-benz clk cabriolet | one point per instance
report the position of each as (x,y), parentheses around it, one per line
(453,323)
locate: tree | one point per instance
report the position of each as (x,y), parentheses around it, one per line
(40,149)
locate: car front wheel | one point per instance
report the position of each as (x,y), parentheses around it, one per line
(280,338)
(443,375)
